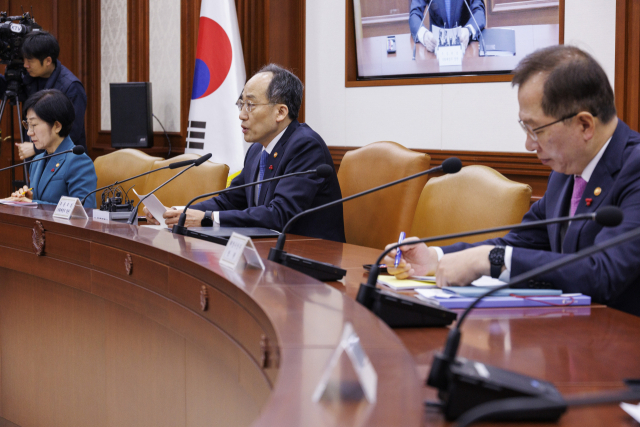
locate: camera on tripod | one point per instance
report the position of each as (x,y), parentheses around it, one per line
(12,35)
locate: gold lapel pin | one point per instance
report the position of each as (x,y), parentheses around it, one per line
(275,154)
(597,191)
(57,164)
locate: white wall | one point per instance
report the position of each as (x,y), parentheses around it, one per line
(428,116)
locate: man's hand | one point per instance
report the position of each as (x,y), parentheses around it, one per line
(465,36)
(194,217)
(25,150)
(429,41)
(22,193)
(150,219)
(417,260)
(462,268)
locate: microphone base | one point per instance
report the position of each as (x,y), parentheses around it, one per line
(179,229)
(399,311)
(471,383)
(322,271)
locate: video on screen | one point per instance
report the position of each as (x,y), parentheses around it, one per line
(412,38)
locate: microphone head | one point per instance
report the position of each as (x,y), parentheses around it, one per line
(451,165)
(324,171)
(609,216)
(78,149)
(203,159)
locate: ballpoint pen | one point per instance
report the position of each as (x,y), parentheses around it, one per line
(398,251)
(25,192)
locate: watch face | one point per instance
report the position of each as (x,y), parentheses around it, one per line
(496,256)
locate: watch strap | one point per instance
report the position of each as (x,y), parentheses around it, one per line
(207,221)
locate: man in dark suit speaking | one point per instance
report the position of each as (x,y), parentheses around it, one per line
(568,113)
(269,106)
(447,14)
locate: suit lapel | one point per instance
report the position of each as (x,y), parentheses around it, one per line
(50,171)
(603,177)
(52,166)
(273,161)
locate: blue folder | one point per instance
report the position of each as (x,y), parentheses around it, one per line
(476,291)
(532,301)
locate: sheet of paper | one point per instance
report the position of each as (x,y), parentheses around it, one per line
(399,285)
(633,410)
(487,281)
(155,207)
(14,203)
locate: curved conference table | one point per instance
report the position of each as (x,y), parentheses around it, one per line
(106,324)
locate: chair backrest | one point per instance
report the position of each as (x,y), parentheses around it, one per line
(375,220)
(122,164)
(477,197)
(206,178)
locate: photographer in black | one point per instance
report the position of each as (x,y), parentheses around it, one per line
(40,51)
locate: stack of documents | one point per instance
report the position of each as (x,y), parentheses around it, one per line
(14,203)
(462,297)
(408,284)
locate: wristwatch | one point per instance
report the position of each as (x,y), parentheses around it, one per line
(207,221)
(496,258)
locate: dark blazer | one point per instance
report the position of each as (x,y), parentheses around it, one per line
(299,149)
(65,175)
(66,82)
(438,14)
(611,277)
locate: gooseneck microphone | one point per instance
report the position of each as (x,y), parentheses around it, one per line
(77,150)
(197,162)
(327,272)
(398,311)
(322,171)
(174,165)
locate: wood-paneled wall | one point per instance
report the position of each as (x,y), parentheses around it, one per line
(66,20)
(627,78)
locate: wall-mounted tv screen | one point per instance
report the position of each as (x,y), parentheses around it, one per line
(417,38)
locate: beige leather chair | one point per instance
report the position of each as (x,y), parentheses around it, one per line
(375,220)
(206,178)
(477,197)
(122,164)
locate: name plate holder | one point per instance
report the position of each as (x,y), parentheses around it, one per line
(101,215)
(240,251)
(70,207)
(367,376)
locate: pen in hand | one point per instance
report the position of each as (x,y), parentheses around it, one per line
(25,192)
(398,251)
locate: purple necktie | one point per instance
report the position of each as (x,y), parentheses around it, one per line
(579,185)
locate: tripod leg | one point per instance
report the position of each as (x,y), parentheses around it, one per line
(26,175)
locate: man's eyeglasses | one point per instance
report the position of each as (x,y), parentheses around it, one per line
(27,126)
(533,132)
(250,105)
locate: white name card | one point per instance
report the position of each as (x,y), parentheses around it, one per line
(367,376)
(240,249)
(69,207)
(101,215)
(450,55)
